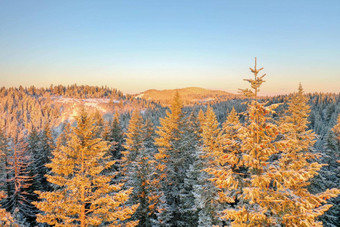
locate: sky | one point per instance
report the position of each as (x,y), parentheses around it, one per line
(135,45)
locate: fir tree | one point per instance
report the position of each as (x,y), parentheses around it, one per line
(84,196)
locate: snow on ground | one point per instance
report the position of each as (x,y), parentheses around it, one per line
(72,105)
(139,96)
(203,100)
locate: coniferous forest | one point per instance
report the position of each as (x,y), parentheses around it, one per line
(92,156)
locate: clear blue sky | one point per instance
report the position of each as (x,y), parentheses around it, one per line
(137,45)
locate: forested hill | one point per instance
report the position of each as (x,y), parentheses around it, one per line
(24,108)
(190,95)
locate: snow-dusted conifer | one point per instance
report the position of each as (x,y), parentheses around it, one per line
(137,169)
(258,143)
(174,158)
(19,179)
(113,133)
(330,174)
(292,203)
(84,196)
(228,170)
(205,192)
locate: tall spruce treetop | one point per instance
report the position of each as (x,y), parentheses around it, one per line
(257,144)
(85,195)
(170,131)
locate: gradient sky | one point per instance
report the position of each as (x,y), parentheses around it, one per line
(138,45)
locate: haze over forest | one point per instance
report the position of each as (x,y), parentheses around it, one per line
(136,46)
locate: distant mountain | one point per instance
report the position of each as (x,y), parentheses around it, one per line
(189,95)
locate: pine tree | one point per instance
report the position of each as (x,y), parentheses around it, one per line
(174,158)
(84,195)
(137,168)
(294,204)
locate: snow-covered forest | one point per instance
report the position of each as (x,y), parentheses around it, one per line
(92,156)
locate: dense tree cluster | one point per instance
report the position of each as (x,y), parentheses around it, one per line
(258,161)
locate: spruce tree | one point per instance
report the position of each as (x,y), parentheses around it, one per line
(332,152)
(113,133)
(292,203)
(34,148)
(248,190)
(84,196)
(100,123)
(206,194)
(137,168)
(328,177)
(228,171)
(19,194)
(174,158)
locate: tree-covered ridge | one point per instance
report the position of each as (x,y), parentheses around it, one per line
(190,96)
(27,108)
(74,91)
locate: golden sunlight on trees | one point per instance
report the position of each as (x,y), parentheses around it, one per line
(83,192)
(266,165)
(254,161)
